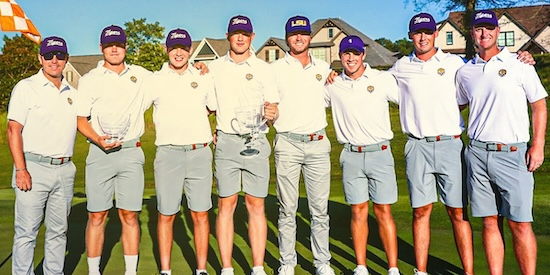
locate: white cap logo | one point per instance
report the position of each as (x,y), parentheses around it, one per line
(176,35)
(418,20)
(483,15)
(111,32)
(53,42)
(239,21)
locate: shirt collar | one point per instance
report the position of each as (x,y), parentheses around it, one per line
(501,56)
(368,73)
(105,70)
(249,61)
(42,80)
(293,60)
(438,56)
(167,70)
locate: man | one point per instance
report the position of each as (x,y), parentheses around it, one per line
(43,173)
(239,77)
(359,100)
(301,145)
(430,117)
(111,91)
(500,163)
(183,158)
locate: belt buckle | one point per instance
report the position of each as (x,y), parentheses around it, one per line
(57,161)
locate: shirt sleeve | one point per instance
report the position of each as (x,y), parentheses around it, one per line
(271,92)
(534,91)
(18,107)
(393,89)
(85,97)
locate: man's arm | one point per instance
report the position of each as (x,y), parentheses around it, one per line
(23,179)
(535,154)
(86,129)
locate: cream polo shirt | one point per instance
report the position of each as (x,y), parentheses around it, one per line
(497,91)
(104,91)
(235,81)
(180,102)
(360,107)
(48,115)
(302,92)
(427,97)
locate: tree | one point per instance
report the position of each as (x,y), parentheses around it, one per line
(144,44)
(18,61)
(469,6)
(403,45)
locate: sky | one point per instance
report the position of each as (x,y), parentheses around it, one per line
(80,22)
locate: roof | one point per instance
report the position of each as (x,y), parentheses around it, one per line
(274,41)
(530,18)
(85,63)
(376,54)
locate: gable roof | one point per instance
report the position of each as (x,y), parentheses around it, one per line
(274,41)
(530,18)
(85,63)
(376,54)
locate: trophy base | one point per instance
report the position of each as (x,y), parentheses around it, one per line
(249,152)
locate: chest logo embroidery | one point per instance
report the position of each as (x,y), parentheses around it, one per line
(502,72)
(370,88)
(319,77)
(194,85)
(133,79)
(440,71)
(70,100)
(249,76)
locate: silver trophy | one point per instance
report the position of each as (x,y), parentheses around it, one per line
(250,115)
(114,125)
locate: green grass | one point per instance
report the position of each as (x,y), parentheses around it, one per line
(443,257)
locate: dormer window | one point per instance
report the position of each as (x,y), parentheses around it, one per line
(330,33)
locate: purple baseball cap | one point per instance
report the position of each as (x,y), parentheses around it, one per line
(422,21)
(484,17)
(53,44)
(352,43)
(239,23)
(113,34)
(297,24)
(178,37)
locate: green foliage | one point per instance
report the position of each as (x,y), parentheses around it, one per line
(543,68)
(403,45)
(144,44)
(18,61)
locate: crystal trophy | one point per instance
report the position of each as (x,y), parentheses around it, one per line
(114,125)
(250,114)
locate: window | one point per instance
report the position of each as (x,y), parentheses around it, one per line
(271,55)
(330,33)
(319,53)
(69,76)
(449,38)
(506,39)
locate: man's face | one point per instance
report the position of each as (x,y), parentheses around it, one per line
(114,53)
(485,36)
(53,63)
(239,42)
(423,41)
(298,43)
(352,61)
(178,57)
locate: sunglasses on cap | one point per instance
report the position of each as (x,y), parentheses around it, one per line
(59,55)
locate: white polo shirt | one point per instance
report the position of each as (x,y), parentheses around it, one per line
(302,92)
(360,107)
(103,91)
(497,92)
(427,98)
(180,102)
(48,115)
(234,81)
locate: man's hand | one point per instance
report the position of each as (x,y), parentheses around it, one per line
(330,79)
(102,142)
(534,158)
(23,180)
(201,66)
(526,57)
(271,111)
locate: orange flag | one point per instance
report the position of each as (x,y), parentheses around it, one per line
(12,18)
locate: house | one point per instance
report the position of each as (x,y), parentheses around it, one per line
(209,49)
(78,66)
(326,35)
(521,28)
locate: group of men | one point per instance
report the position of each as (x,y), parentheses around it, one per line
(291,95)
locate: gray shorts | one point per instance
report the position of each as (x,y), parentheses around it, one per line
(117,173)
(369,175)
(232,169)
(434,166)
(499,183)
(176,169)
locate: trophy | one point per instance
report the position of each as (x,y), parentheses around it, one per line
(114,125)
(250,115)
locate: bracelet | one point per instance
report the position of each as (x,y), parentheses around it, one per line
(22,169)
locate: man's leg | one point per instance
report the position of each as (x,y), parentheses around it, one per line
(493,244)
(387,232)
(165,235)
(525,246)
(225,228)
(201,233)
(463,238)
(130,238)
(257,228)
(360,231)
(95,236)
(421,235)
